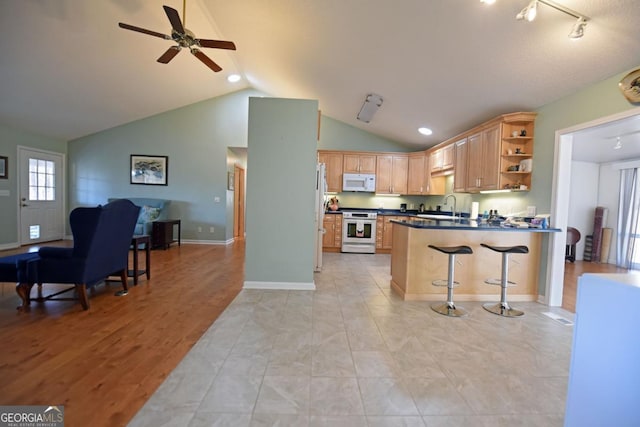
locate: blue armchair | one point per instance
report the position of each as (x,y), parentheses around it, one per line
(101,237)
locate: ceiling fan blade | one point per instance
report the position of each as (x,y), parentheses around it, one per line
(174,18)
(206,60)
(143,30)
(216,44)
(169,54)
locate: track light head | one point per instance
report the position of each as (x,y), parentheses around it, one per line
(578,29)
(529,12)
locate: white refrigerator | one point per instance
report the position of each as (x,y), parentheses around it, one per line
(321,186)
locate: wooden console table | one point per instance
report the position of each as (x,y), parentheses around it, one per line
(162,233)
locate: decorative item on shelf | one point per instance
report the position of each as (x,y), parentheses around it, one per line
(509,152)
(332,204)
(523,132)
(514,134)
(513,168)
(519,151)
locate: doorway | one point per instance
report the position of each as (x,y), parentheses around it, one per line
(238,203)
(41,192)
(560,200)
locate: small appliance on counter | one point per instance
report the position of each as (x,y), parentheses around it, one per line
(421,208)
(403,207)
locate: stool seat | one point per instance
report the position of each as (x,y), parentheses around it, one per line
(456,250)
(449,308)
(520,249)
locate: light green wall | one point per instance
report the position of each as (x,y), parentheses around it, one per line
(195,138)
(281,172)
(10,139)
(336,135)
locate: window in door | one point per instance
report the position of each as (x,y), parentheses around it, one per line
(42,174)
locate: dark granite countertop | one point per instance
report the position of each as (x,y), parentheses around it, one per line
(465,224)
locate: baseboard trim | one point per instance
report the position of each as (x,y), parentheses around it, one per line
(7,246)
(208,242)
(288,286)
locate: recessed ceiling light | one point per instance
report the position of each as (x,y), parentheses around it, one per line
(425,131)
(488,1)
(233,78)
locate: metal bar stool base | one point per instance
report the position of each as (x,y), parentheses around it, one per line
(502,309)
(449,309)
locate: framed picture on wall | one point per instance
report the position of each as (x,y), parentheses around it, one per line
(149,170)
(4,173)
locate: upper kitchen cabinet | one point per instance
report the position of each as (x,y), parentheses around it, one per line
(392,174)
(359,163)
(516,157)
(333,161)
(483,171)
(442,159)
(460,167)
(417,178)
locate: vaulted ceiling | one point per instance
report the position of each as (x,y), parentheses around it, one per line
(68,70)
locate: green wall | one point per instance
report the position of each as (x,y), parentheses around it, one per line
(336,135)
(281,178)
(10,139)
(195,138)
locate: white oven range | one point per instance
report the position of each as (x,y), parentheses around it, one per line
(359,232)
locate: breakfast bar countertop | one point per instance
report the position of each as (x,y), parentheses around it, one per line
(465,224)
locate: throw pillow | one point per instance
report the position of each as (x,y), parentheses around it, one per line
(148,214)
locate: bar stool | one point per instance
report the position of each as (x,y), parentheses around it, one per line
(449,308)
(503,308)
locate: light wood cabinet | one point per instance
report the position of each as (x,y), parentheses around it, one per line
(460,166)
(392,174)
(359,163)
(332,237)
(417,177)
(384,231)
(333,162)
(442,159)
(483,169)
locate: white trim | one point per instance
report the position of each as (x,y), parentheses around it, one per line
(208,242)
(7,246)
(290,286)
(560,202)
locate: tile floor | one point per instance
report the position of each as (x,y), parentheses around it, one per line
(352,353)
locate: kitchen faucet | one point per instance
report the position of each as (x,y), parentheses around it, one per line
(453,211)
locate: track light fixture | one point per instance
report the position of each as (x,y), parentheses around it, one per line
(531,10)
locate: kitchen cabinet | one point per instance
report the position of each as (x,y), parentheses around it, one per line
(417,176)
(332,237)
(442,159)
(359,163)
(392,174)
(483,169)
(517,145)
(334,164)
(384,231)
(460,166)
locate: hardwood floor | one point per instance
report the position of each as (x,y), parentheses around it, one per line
(104,363)
(574,270)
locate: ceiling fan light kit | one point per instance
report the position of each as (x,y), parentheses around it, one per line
(530,11)
(184,38)
(371,104)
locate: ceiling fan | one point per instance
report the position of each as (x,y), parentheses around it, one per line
(183,38)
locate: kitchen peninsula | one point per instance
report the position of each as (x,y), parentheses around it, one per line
(414,265)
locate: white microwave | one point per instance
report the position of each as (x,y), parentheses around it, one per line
(359,182)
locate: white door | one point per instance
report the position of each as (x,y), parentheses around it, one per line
(41,187)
